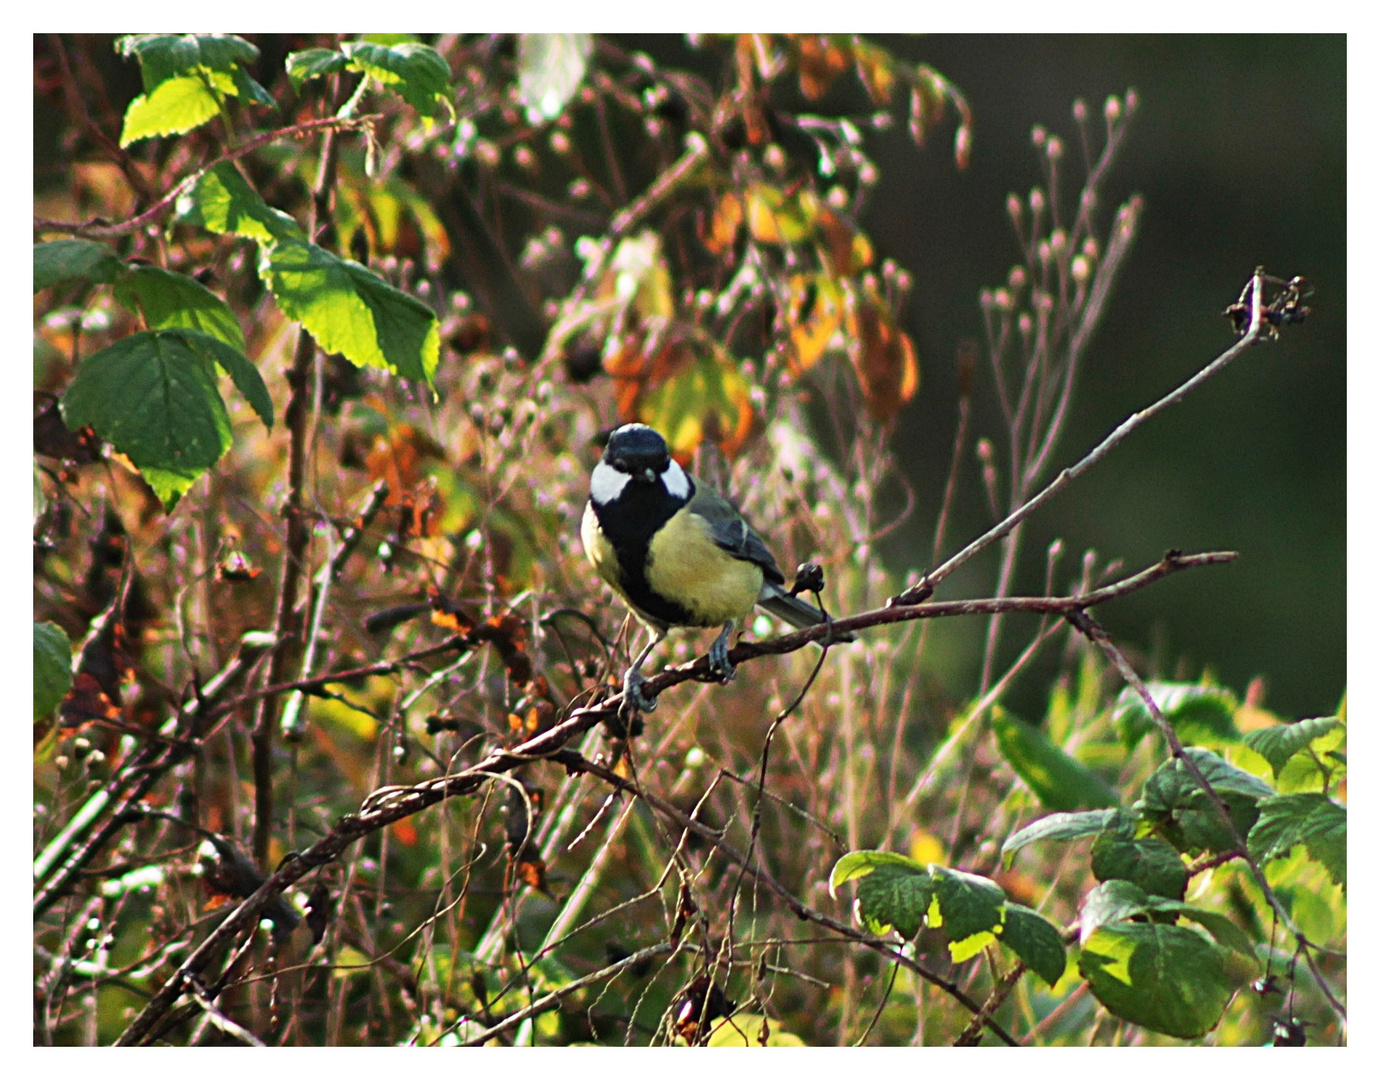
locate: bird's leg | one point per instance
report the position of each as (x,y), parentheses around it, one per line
(719,663)
(633,695)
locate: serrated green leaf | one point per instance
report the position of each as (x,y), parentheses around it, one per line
(550,70)
(352,311)
(1311,819)
(167,56)
(313,64)
(223,201)
(968,903)
(1057,827)
(153,397)
(1170,979)
(1147,861)
(893,891)
(1057,780)
(1184,815)
(1278,744)
(1035,940)
(176,106)
(168,300)
(1197,713)
(65,260)
(418,73)
(52,667)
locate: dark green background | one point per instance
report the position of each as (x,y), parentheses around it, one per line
(1239,153)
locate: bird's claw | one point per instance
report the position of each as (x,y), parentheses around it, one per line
(719,662)
(634,696)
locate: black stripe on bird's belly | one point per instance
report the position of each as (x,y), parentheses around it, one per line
(628,524)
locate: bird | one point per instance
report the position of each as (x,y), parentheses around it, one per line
(677,553)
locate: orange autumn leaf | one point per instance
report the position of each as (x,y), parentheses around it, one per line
(882,355)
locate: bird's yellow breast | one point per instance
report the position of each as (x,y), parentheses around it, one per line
(685,565)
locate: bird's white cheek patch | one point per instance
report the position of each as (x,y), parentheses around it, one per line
(607,483)
(677,483)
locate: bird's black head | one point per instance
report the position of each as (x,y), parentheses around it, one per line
(637,460)
(638,451)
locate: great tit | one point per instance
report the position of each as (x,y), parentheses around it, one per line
(677,553)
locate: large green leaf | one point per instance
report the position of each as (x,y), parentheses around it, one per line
(1035,940)
(1197,713)
(1148,861)
(550,70)
(1171,979)
(153,397)
(893,891)
(65,260)
(223,201)
(966,906)
(167,56)
(175,106)
(187,78)
(1058,781)
(52,667)
(351,311)
(1311,819)
(1184,815)
(1056,827)
(1118,901)
(417,73)
(170,300)
(1278,744)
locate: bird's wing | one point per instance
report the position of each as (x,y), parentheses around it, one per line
(731,532)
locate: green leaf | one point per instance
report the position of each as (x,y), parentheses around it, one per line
(167,56)
(1170,979)
(175,106)
(550,70)
(1111,902)
(313,64)
(1056,827)
(1058,781)
(52,667)
(1217,924)
(418,73)
(223,201)
(65,260)
(1311,819)
(1278,744)
(1035,940)
(1182,812)
(1147,861)
(968,903)
(250,90)
(893,891)
(171,300)
(1197,713)
(351,311)
(1117,901)
(153,397)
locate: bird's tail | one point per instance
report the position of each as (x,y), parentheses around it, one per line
(793,610)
